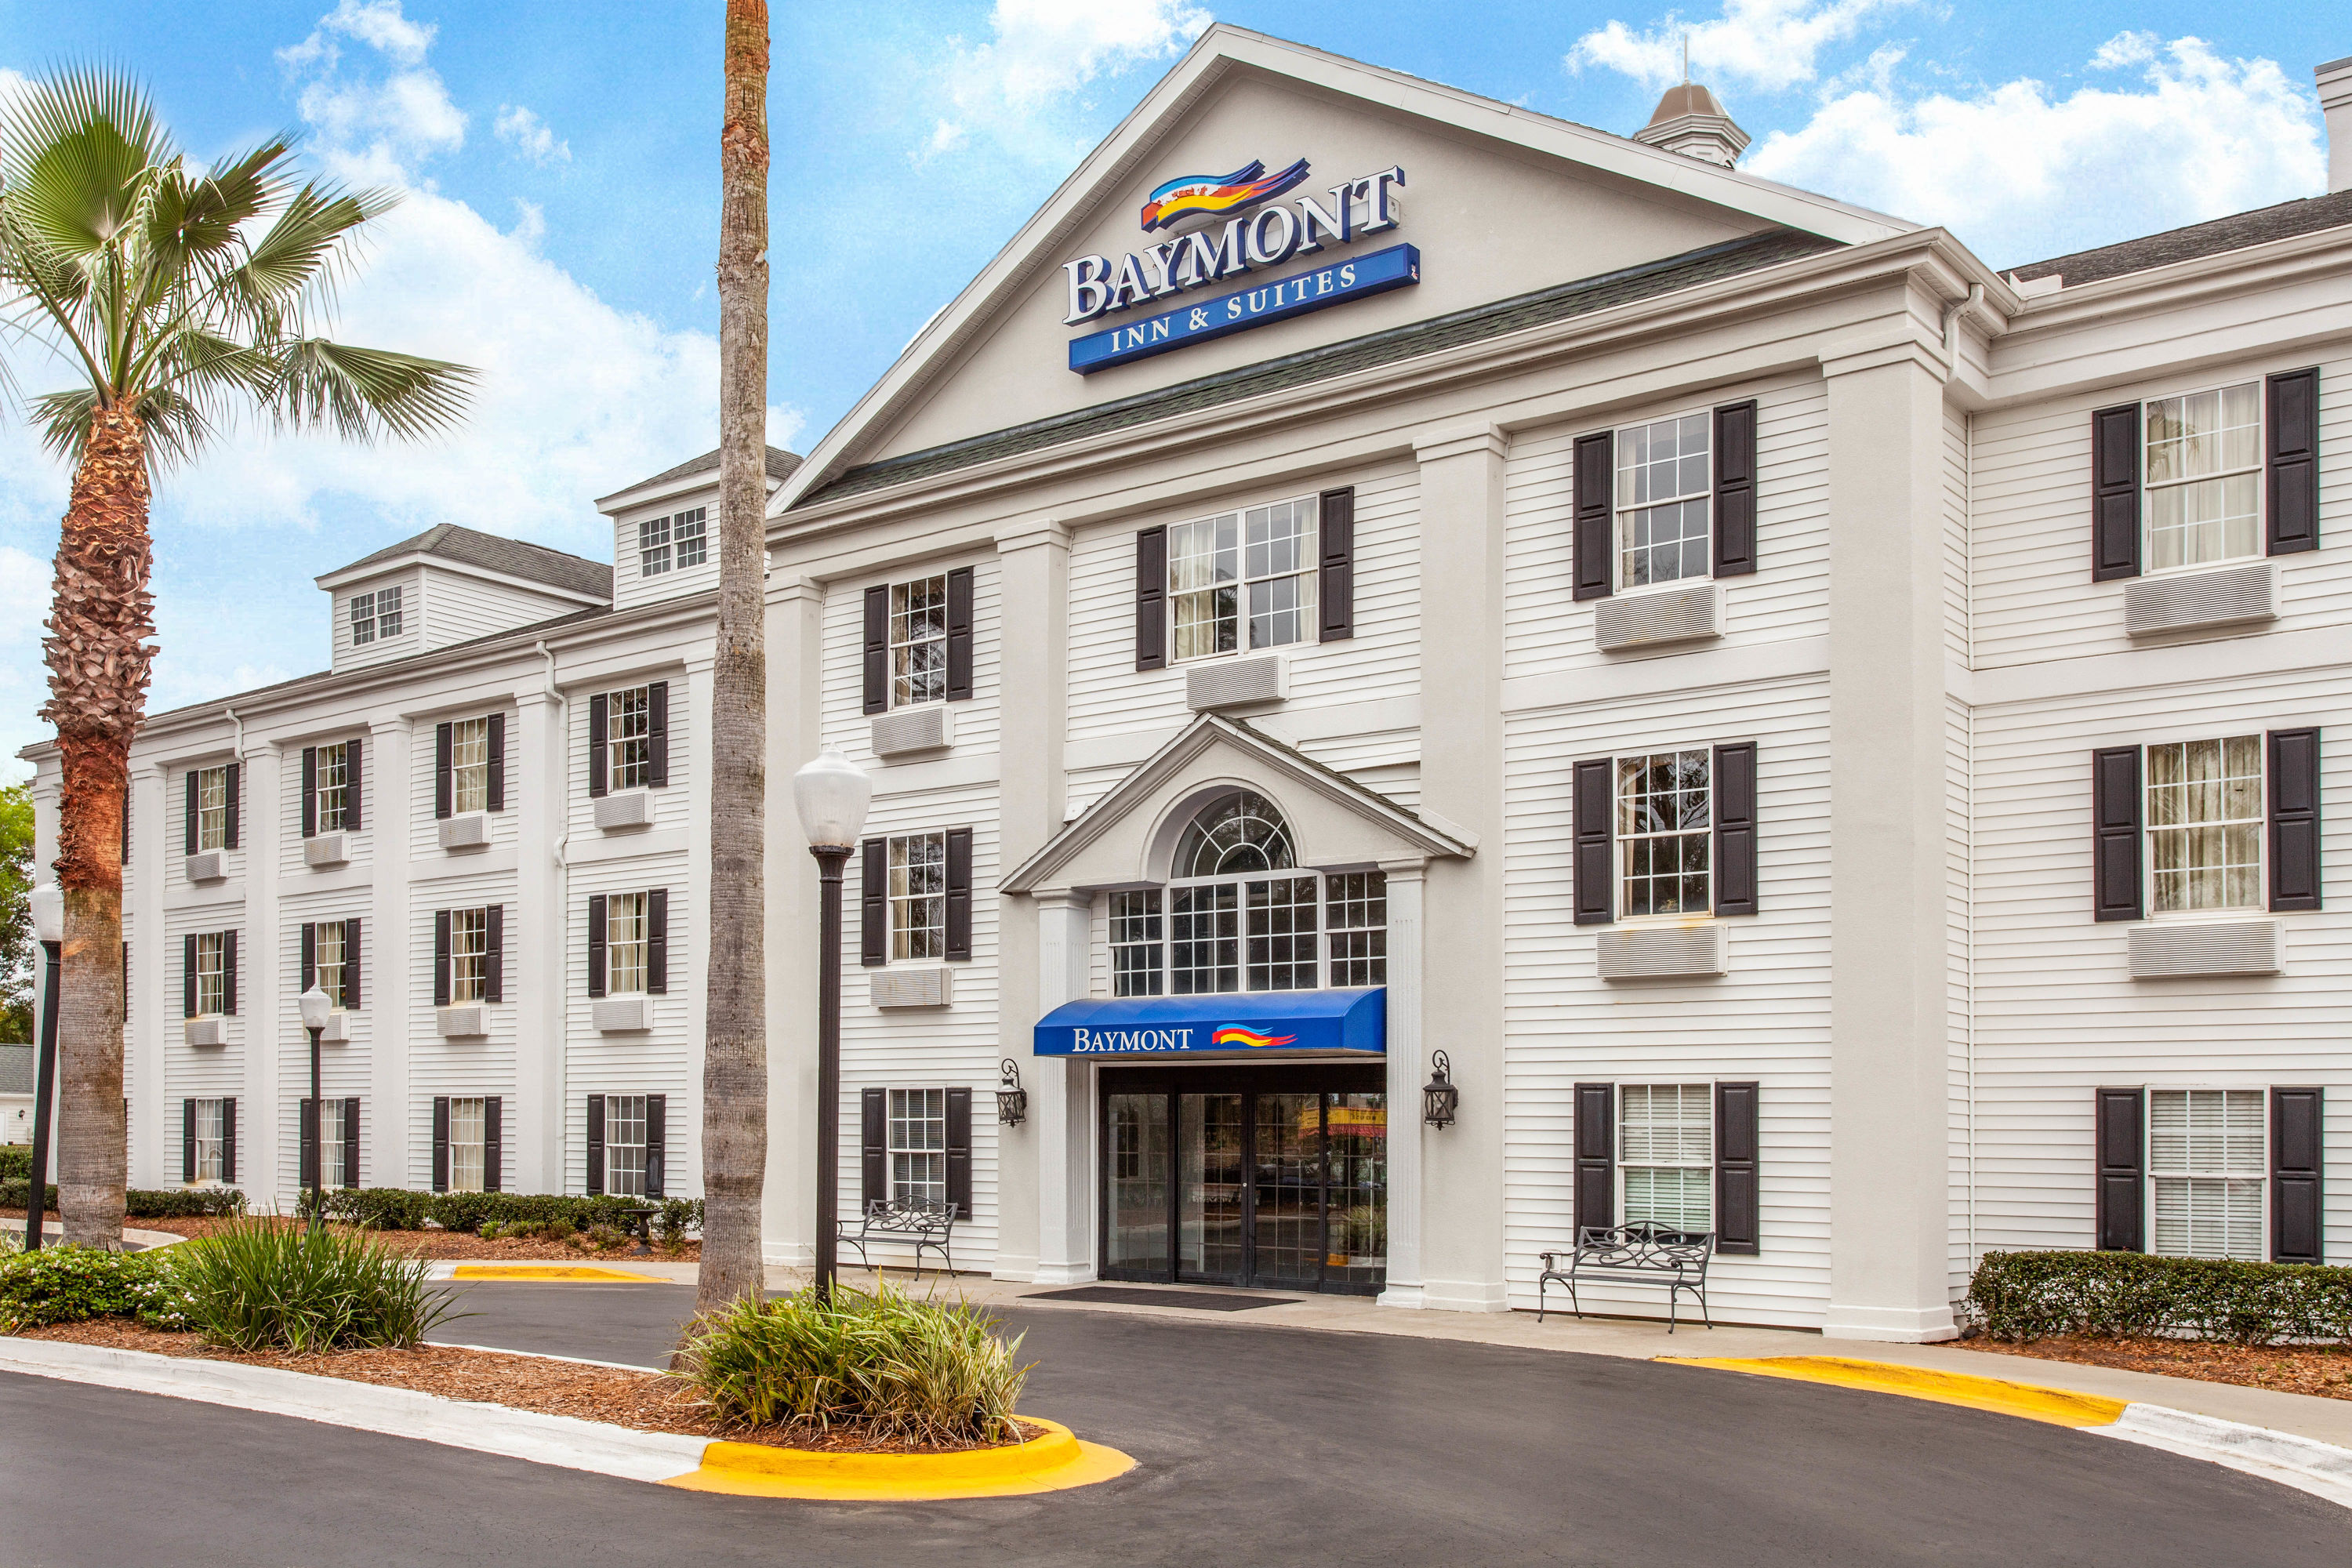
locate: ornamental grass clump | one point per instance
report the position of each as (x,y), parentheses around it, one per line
(261,1286)
(884,1364)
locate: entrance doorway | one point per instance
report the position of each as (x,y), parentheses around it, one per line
(1246,1176)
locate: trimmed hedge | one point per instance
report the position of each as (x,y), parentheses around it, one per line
(67,1284)
(15,1190)
(398,1208)
(171,1202)
(16,1162)
(2033,1295)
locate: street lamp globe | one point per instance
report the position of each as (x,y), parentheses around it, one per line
(314,1008)
(49,901)
(831,794)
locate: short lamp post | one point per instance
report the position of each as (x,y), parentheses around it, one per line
(49,901)
(831,794)
(1439,1098)
(1011,1100)
(314,1008)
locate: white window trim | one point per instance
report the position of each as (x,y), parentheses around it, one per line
(482,998)
(1617,513)
(2259,908)
(611,1143)
(1311,570)
(643,943)
(1167,940)
(457,769)
(892,1149)
(614,739)
(319,794)
(212,822)
(218,1143)
(893,902)
(341,964)
(2148,1175)
(892,645)
(701,540)
(652,548)
(2260,467)
(1618,841)
(480,1143)
(1617,1142)
(219,974)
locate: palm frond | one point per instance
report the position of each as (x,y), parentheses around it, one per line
(361,393)
(288,261)
(75,150)
(195,216)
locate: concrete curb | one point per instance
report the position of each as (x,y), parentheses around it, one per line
(2322,1469)
(559,1440)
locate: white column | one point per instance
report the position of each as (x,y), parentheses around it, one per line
(1061,1101)
(262,966)
(390,1122)
(535,776)
(1404,1080)
(788,1201)
(155,1014)
(693,978)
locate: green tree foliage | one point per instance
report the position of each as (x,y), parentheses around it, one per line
(18,948)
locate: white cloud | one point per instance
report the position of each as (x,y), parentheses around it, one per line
(946,137)
(1039,53)
(2126,48)
(399,117)
(2019,174)
(529,135)
(1770,43)
(375,23)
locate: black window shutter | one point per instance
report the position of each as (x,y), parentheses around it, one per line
(497,783)
(2121,1167)
(1151,599)
(351,965)
(440,958)
(873,902)
(873,1149)
(658,732)
(1594,870)
(494,954)
(352,1141)
(440,1142)
(1595,479)
(228,1140)
(307,1121)
(595,1144)
(597,770)
(2115,813)
(1596,1155)
(235,783)
(1735,828)
(187,1141)
(228,974)
(1334,584)
(444,769)
(657,1142)
(960,634)
(310,791)
(2294,819)
(877,649)
(494,1144)
(2114,493)
(1738,1195)
(2295,1175)
(309,957)
(1735,489)
(194,814)
(354,783)
(959,894)
(960,1150)
(596,936)
(188,975)
(126,823)
(2292,436)
(658,943)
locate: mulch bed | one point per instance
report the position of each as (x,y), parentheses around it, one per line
(2323,1369)
(647,1400)
(438,1244)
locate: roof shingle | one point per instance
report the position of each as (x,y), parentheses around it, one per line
(512,557)
(2236,232)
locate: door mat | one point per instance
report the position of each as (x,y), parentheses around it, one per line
(1125,1296)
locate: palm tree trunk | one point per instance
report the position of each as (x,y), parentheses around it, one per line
(735,1037)
(100,620)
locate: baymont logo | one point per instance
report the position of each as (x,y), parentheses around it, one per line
(1234,1035)
(1090,1041)
(1244,187)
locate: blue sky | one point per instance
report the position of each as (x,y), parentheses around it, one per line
(561,204)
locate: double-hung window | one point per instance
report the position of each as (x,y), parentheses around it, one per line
(211,1137)
(631,745)
(469,766)
(1663,502)
(212,974)
(375,616)
(1242,581)
(919,896)
(652,547)
(1666,1151)
(1357,903)
(624,1145)
(627,944)
(212,808)
(1138,951)
(332,790)
(1665,834)
(469,956)
(468,1126)
(332,962)
(2203,476)
(689,540)
(919,1145)
(2205,824)
(2206,1162)
(330,1142)
(919,641)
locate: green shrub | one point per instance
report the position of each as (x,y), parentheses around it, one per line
(16,1162)
(680,1218)
(67,1284)
(2033,1295)
(883,1362)
(378,1208)
(183,1203)
(259,1285)
(15,1190)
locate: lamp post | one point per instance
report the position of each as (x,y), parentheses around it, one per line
(314,1008)
(49,901)
(831,794)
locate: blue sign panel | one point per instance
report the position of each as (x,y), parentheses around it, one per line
(1395,267)
(1273,1022)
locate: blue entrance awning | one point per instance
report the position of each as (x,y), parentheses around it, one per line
(1353,1020)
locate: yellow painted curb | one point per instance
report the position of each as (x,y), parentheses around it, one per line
(2059,1406)
(548,1271)
(1055,1462)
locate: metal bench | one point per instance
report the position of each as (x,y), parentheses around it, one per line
(1677,1259)
(926,1222)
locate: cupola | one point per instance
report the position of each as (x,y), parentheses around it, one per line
(1690,121)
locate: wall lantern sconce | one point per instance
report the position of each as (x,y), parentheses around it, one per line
(1439,1098)
(1011,1100)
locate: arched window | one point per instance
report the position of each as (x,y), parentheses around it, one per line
(1240,833)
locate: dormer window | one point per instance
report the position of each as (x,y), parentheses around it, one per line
(666,541)
(374,615)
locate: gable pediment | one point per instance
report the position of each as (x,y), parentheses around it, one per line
(1127,838)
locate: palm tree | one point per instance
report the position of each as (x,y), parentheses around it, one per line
(180,298)
(735,1034)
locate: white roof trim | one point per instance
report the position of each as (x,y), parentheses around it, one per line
(1204,733)
(1217,52)
(343,576)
